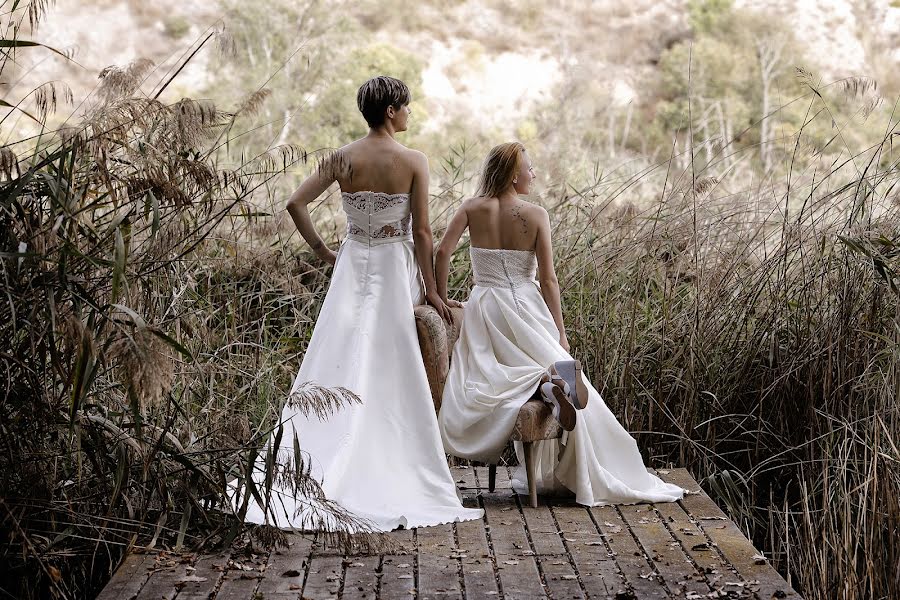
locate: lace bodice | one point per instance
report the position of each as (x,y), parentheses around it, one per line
(500,268)
(494,267)
(376,217)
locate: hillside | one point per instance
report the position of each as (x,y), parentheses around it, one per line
(481,58)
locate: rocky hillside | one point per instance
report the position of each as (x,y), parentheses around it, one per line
(482,57)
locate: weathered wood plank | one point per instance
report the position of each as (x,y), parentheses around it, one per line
(478,568)
(541,527)
(677,571)
(729,540)
(242,576)
(129,577)
(324,579)
(593,562)
(397,577)
(438,565)
(286,569)
(205,578)
(516,563)
(560,578)
(633,563)
(361,578)
(711,565)
(170,572)
(464,478)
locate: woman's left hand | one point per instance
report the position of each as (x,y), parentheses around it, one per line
(434,299)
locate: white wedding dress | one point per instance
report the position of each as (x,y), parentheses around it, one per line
(381,460)
(508,339)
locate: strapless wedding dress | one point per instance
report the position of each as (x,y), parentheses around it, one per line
(381,460)
(508,339)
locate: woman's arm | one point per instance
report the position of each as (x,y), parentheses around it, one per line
(547,276)
(455,229)
(297,206)
(422,238)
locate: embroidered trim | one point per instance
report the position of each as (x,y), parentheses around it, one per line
(373,201)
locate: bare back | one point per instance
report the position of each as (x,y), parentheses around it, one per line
(377,165)
(507,223)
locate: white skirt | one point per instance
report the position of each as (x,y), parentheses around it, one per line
(381,460)
(497,363)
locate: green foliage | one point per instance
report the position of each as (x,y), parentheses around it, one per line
(334,109)
(176,27)
(706,16)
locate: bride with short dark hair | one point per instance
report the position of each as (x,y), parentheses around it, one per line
(381,459)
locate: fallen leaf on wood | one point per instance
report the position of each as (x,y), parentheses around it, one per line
(404,577)
(759,559)
(510,562)
(703,546)
(291,573)
(569,577)
(191,579)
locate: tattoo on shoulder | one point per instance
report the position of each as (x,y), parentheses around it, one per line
(517,214)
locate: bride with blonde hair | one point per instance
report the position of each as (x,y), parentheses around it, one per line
(513,345)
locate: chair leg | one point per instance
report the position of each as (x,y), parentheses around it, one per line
(492,477)
(528,448)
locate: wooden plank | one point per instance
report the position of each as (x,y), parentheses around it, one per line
(286,569)
(204,580)
(478,568)
(711,565)
(560,578)
(516,563)
(678,573)
(170,570)
(361,578)
(729,540)
(324,579)
(438,567)
(633,563)
(542,529)
(129,577)
(595,566)
(464,478)
(397,577)
(403,541)
(242,576)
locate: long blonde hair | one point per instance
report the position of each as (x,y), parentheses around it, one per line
(500,168)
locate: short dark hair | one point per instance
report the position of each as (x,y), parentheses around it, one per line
(375,95)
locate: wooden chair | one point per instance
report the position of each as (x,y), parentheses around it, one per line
(535,421)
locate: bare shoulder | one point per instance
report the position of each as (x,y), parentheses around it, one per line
(476,202)
(470,203)
(416,158)
(535,211)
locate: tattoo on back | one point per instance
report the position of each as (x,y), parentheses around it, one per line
(517,213)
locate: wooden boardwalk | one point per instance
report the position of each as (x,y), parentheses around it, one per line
(687,550)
